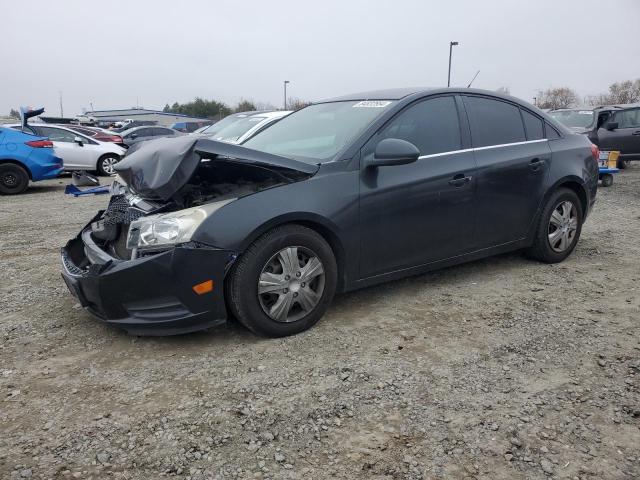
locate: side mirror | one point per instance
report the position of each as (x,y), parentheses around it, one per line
(394,151)
(611,125)
(133,136)
(79,140)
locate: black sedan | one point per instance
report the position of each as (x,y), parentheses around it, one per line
(340,195)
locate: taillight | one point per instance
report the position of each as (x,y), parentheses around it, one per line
(116,139)
(40,143)
(595,151)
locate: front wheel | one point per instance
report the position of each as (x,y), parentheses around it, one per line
(13,179)
(106,164)
(559,227)
(284,282)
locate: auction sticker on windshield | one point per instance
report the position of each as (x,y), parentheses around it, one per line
(372,104)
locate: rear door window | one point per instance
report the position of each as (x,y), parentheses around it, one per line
(494,122)
(533,125)
(431,125)
(162,131)
(58,135)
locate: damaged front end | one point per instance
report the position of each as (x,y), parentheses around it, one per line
(135,265)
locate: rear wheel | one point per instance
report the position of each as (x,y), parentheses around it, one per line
(106,164)
(559,227)
(607,180)
(14,179)
(284,282)
(622,164)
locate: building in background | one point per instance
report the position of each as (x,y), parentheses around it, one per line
(141,114)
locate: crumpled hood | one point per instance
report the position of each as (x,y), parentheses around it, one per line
(158,169)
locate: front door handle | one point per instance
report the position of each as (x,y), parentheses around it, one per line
(459,180)
(636,133)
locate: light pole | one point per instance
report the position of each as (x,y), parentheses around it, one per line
(451,45)
(285,93)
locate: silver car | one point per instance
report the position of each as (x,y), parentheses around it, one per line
(243,129)
(78,151)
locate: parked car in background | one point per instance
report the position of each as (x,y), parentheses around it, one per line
(612,128)
(339,195)
(24,157)
(190,127)
(225,122)
(129,124)
(140,134)
(98,134)
(78,151)
(245,128)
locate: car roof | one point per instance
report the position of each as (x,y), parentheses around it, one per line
(388,94)
(417,92)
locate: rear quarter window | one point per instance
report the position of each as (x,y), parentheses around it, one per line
(494,122)
(552,133)
(533,125)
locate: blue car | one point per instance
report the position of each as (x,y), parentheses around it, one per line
(25,157)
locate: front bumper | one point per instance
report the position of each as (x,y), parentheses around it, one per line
(151,295)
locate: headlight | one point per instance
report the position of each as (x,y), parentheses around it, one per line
(161,231)
(118,186)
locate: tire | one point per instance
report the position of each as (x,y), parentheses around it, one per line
(622,164)
(106,163)
(607,180)
(14,179)
(544,248)
(265,259)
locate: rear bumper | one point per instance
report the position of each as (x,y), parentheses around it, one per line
(151,295)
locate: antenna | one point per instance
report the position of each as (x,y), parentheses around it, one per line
(474,77)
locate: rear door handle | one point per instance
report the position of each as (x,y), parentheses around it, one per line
(459,180)
(535,164)
(636,133)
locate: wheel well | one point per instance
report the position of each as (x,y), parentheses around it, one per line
(335,244)
(19,164)
(582,195)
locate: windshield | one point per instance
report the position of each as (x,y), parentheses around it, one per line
(318,132)
(219,125)
(237,129)
(574,118)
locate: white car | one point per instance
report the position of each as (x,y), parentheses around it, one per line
(78,151)
(243,129)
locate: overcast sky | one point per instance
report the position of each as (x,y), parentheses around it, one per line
(117,53)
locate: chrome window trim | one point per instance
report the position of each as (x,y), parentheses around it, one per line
(451,152)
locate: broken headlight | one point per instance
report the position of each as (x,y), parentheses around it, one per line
(167,229)
(118,186)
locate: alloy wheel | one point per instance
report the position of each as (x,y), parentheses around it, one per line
(108,165)
(291,284)
(563,226)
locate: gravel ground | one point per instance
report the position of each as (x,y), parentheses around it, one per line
(499,369)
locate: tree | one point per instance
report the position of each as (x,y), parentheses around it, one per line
(624,92)
(245,106)
(199,108)
(562,97)
(294,103)
(619,93)
(13,113)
